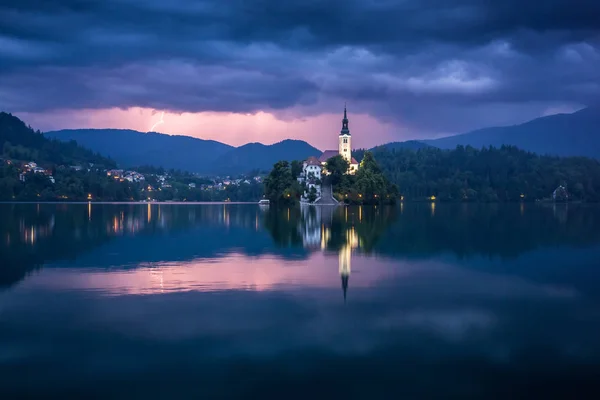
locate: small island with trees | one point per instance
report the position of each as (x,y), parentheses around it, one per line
(367,185)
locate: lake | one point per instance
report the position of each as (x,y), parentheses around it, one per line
(204,301)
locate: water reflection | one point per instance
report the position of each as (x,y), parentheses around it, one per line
(161,236)
(486,301)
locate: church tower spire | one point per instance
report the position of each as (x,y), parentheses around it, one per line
(345,140)
(345,130)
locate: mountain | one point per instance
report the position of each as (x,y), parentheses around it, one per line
(259,156)
(132,148)
(576,134)
(20,142)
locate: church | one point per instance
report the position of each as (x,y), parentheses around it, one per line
(313,168)
(344,147)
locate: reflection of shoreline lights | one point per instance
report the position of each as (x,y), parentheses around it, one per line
(226,215)
(89,211)
(352,238)
(149,212)
(30,234)
(325,236)
(433,209)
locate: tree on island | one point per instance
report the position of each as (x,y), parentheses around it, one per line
(296,167)
(337,167)
(280,187)
(367,186)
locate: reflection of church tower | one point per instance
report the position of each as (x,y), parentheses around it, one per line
(345,258)
(345,266)
(345,140)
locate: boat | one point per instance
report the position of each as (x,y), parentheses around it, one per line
(264,202)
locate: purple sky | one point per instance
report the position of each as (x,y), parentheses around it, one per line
(265,70)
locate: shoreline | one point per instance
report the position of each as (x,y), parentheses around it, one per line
(299,203)
(132,202)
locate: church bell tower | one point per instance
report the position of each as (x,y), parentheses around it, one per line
(345,140)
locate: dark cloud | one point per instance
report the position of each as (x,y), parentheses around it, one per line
(398,60)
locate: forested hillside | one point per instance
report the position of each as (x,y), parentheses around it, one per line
(54,179)
(490,174)
(20,142)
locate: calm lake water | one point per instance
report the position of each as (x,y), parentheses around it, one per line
(204,301)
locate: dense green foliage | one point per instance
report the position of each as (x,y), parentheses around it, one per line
(368,186)
(296,168)
(337,168)
(20,142)
(70,186)
(95,185)
(488,175)
(280,186)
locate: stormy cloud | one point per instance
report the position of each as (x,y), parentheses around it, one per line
(469,63)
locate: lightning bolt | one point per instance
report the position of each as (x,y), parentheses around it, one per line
(158,123)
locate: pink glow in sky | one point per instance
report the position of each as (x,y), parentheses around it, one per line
(235,129)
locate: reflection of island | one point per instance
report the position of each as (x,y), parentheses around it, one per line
(331,228)
(342,230)
(336,228)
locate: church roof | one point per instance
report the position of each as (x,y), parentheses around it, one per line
(312,161)
(327,154)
